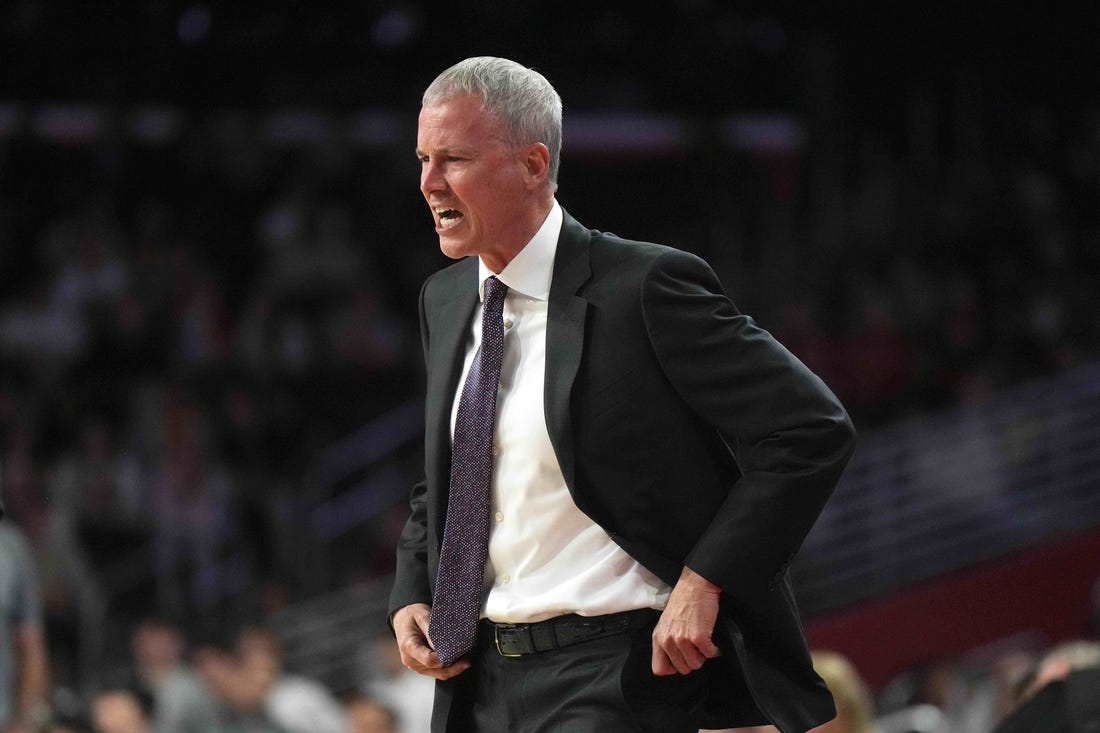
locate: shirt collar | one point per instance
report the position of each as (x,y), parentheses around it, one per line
(530,271)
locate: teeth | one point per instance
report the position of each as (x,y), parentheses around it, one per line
(447,217)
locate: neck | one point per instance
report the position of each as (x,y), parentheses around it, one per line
(525,230)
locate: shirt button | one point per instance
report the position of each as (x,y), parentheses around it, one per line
(507,322)
(496,449)
(500,516)
(506,579)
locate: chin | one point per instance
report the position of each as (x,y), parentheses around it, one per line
(456,250)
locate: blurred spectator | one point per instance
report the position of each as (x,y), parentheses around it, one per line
(122,710)
(876,360)
(19,473)
(855,710)
(88,271)
(193,500)
(1067,704)
(180,702)
(408,694)
(363,334)
(239,696)
(98,482)
(1058,663)
(1006,678)
(24,660)
(944,685)
(37,330)
(366,715)
(294,703)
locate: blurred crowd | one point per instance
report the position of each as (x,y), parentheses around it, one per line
(184,329)
(236,681)
(175,353)
(229,684)
(187,323)
(1014,691)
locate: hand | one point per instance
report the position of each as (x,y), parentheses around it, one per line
(682,638)
(417,651)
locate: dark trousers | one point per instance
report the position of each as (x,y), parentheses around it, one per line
(597,686)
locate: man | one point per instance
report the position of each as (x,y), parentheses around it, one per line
(294,703)
(650,465)
(24,660)
(180,702)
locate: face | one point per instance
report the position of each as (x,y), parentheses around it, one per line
(368,717)
(117,712)
(484,195)
(157,647)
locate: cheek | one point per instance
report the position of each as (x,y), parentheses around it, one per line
(476,200)
(496,195)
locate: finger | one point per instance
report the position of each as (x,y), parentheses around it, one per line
(692,657)
(417,655)
(709,649)
(666,645)
(454,670)
(676,658)
(660,663)
(428,639)
(446,673)
(685,656)
(429,665)
(679,662)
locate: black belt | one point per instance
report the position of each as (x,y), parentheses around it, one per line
(516,640)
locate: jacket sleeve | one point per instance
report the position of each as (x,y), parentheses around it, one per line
(791,435)
(411,583)
(411,577)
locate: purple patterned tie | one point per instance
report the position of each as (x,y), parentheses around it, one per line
(458,584)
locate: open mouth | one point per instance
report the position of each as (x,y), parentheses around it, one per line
(447,218)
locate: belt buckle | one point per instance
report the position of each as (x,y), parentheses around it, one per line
(496,639)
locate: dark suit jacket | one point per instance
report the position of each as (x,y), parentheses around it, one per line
(684,430)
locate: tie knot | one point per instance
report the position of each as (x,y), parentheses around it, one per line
(495,291)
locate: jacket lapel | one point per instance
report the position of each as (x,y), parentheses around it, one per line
(448,329)
(565,338)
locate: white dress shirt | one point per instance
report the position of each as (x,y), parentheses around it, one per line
(546,557)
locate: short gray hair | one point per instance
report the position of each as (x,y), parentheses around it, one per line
(520,98)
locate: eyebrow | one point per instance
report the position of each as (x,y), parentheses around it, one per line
(467,152)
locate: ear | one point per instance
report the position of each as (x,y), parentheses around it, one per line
(536,163)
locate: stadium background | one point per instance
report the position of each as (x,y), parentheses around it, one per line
(211,242)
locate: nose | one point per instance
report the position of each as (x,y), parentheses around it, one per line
(431,178)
